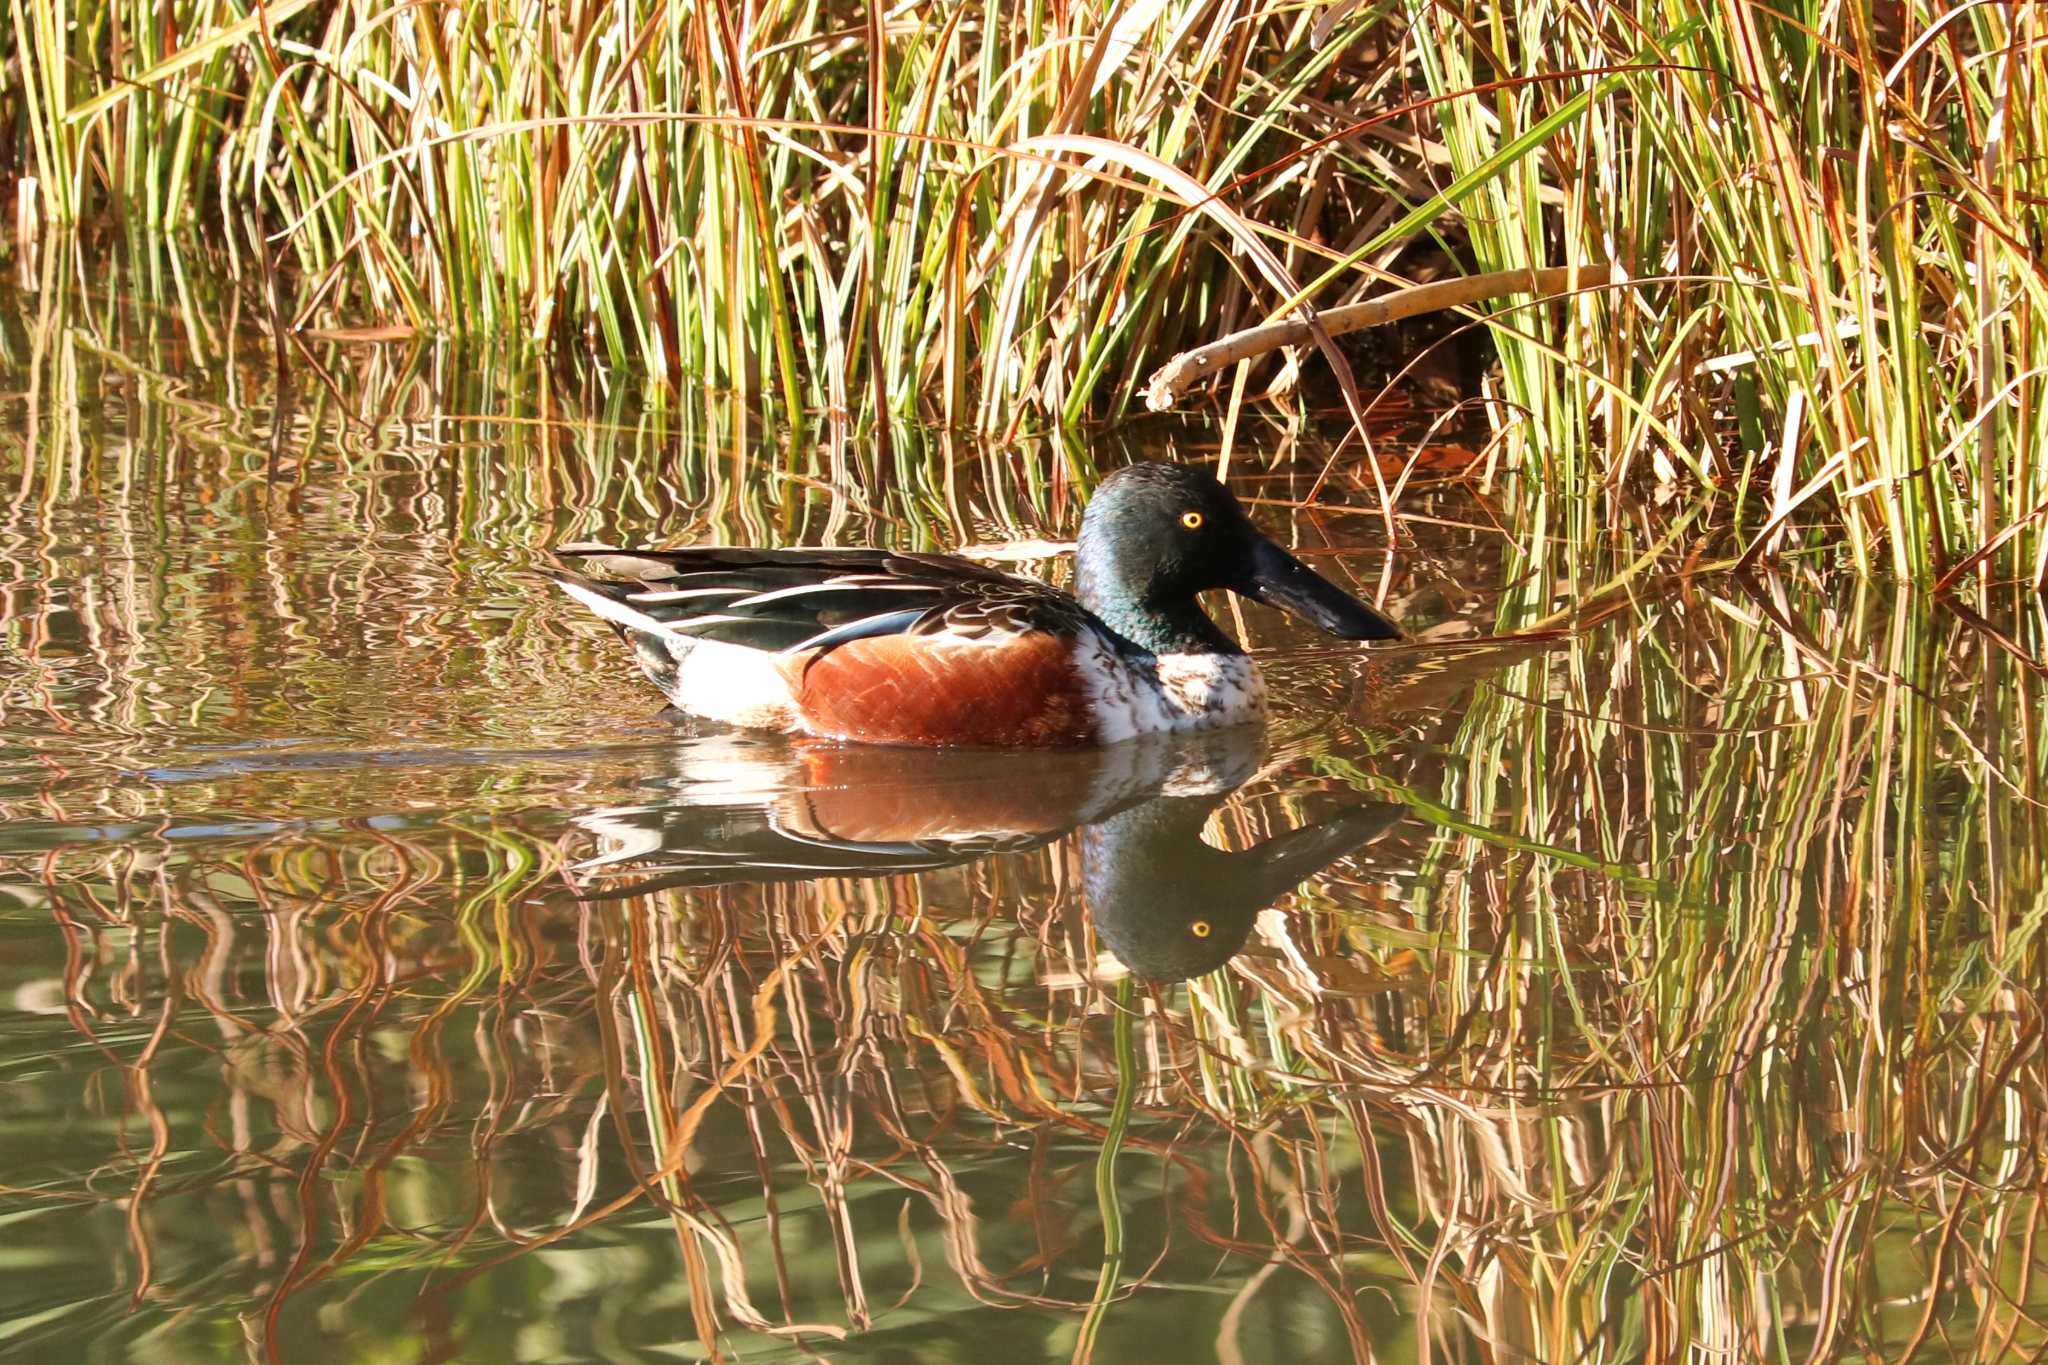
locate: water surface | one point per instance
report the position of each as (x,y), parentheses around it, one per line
(382,977)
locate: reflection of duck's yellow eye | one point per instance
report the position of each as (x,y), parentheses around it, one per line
(1200,928)
(1191,520)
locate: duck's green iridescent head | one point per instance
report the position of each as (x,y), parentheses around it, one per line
(1155,535)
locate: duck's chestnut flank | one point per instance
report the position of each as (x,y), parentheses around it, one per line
(1020,691)
(874,646)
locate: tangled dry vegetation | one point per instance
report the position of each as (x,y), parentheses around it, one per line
(1824,219)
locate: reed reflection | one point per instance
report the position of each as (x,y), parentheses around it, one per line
(1695,1009)
(1167,903)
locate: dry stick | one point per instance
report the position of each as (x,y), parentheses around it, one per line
(1189,368)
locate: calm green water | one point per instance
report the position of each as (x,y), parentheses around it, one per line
(381,978)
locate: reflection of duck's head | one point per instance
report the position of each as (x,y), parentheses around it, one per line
(1171,906)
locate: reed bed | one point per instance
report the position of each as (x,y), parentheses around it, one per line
(1812,229)
(1694,1007)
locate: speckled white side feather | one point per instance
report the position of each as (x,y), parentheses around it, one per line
(1154,694)
(1212,690)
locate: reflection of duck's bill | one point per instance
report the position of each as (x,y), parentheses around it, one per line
(1287,860)
(1170,907)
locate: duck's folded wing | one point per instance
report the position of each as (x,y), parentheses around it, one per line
(803,599)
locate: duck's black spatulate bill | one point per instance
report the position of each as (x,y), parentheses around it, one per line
(1278,579)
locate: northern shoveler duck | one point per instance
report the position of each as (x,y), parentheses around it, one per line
(889,648)
(1168,904)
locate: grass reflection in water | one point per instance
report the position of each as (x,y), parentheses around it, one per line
(1692,1001)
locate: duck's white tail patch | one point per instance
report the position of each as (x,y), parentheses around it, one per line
(733,685)
(728,683)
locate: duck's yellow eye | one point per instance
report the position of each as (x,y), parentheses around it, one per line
(1192,520)
(1200,928)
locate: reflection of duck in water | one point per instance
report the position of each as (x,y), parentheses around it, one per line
(1168,904)
(1172,906)
(891,648)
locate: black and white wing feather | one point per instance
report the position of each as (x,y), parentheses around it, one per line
(795,600)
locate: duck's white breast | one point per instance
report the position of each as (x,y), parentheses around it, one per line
(1152,694)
